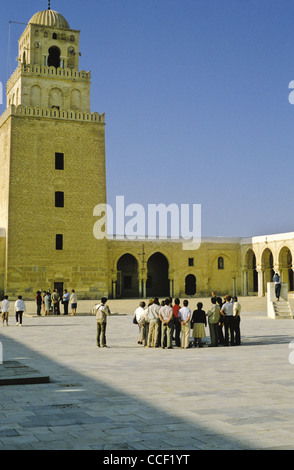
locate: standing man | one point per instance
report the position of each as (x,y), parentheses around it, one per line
(102,312)
(177,322)
(39,301)
(213,315)
(184,316)
(153,318)
(227,312)
(5,310)
(277,281)
(55,299)
(167,324)
(65,300)
(237,319)
(19,308)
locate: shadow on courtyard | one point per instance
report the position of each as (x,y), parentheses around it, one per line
(95,415)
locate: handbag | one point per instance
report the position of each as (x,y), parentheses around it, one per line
(135,320)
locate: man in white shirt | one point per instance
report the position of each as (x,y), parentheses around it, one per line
(227,311)
(167,324)
(184,315)
(19,308)
(237,319)
(102,311)
(5,310)
(153,318)
(140,314)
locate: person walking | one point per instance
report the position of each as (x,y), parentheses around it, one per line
(166,318)
(184,316)
(5,310)
(19,308)
(213,316)
(198,324)
(102,312)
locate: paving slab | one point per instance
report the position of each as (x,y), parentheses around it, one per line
(16,373)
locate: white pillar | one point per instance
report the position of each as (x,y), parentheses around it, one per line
(260,273)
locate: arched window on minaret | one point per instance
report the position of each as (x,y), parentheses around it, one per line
(54,57)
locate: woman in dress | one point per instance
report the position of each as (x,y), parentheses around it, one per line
(198,324)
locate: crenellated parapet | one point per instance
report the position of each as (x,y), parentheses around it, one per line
(47,72)
(52,113)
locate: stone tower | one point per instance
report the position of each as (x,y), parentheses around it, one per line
(52,158)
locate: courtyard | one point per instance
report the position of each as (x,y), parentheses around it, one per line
(129,398)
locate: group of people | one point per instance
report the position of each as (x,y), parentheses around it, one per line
(162,324)
(19,309)
(47,302)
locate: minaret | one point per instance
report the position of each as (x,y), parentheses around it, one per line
(52,158)
(46,42)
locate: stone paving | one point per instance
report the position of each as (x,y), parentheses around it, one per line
(126,397)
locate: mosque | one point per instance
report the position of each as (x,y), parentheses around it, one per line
(52,156)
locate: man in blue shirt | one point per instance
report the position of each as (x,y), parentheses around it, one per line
(65,300)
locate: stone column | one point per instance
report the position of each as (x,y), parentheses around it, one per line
(140,288)
(260,273)
(245,281)
(144,281)
(171,288)
(114,289)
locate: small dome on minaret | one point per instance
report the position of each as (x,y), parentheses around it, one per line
(49,18)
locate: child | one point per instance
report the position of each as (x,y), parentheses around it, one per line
(198,324)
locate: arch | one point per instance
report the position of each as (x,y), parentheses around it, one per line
(35,99)
(285,266)
(157,276)
(75,99)
(267,265)
(190,284)
(220,263)
(54,57)
(127,276)
(55,98)
(252,279)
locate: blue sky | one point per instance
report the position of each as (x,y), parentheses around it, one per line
(196,100)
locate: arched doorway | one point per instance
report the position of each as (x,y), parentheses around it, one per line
(157,276)
(285,265)
(190,284)
(267,264)
(127,276)
(54,57)
(252,280)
